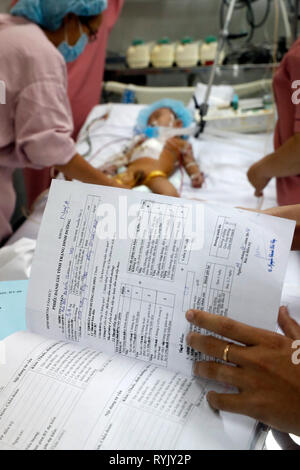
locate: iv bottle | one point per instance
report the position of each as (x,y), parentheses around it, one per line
(138,54)
(187,52)
(163,54)
(208,50)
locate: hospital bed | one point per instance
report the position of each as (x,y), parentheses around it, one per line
(224,157)
(239,120)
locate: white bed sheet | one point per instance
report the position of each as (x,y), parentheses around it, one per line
(223,157)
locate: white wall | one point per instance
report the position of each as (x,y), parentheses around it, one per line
(152,19)
(4,5)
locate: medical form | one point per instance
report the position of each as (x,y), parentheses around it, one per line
(105,364)
(123,268)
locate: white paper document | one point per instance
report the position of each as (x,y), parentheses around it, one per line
(64,397)
(128,293)
(106,364)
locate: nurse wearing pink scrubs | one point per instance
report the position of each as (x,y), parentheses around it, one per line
(36,124)
(284,163)
(85,76)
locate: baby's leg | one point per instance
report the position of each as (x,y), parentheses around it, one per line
(161,185)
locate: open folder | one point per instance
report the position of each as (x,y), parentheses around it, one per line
(104,363)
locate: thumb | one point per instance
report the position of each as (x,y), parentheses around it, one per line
(288,325)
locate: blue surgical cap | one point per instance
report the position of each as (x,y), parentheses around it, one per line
(50,13)
(176,106)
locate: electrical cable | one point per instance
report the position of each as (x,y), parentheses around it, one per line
(250,16)
(252,19)
(292,8)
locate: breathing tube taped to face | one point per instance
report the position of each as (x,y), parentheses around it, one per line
(166,132)
(177,107)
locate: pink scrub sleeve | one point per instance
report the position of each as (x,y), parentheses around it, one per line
(43,126)
(85,77)
(293,68)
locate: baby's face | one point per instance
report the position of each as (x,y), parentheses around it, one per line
(163,117)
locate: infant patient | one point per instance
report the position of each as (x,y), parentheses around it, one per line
(150,161)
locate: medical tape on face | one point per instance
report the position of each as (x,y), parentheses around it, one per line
(191,164)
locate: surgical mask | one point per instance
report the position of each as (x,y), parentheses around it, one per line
(71,53)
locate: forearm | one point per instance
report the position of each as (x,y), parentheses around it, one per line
(291,213)
(189,161)
(191,167)
(286,212)
(284,162)
(79,169)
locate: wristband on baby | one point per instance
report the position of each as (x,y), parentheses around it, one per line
(154,174)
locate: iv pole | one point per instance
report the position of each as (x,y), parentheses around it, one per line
(295,26)
(203,108)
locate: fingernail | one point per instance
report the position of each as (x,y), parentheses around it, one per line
(284,310)
(190,315)
(208,396)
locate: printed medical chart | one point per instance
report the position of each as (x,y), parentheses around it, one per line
(121,268)
(105,364)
